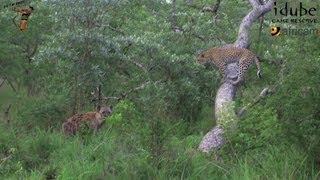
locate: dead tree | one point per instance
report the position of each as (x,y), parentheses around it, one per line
(226,92)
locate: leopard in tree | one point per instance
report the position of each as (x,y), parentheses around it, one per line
(94,120)
(221,57)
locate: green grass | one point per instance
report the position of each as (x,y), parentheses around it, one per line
(124,148)
(43,154)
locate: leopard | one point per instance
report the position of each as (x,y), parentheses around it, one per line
(221,57)
(94,120)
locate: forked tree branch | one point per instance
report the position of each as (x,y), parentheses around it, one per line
(257,11)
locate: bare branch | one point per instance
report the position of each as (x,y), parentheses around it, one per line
(253,3)
(126,94)
(111,97)
(263,93)
(254,14)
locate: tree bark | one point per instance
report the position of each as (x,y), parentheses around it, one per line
(226,92)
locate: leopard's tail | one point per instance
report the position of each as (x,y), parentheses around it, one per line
(258,66)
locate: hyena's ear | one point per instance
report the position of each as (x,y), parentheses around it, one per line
(111,107)
(98,108)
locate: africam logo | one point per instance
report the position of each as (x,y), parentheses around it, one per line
(25,13)
(289,31)
(275,31)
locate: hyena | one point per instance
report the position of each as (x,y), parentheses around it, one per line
(93,119)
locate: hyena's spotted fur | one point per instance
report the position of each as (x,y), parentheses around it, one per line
(93,119)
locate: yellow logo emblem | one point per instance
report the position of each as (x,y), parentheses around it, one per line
(275,31)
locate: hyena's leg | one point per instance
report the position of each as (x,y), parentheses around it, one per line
(68,129)
(95,129)
(101,124)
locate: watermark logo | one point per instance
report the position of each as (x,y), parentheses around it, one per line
(297,15)
(300,31)
(275,31)
(294,12)
(24,12)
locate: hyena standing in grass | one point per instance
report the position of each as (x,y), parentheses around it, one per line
(93,119)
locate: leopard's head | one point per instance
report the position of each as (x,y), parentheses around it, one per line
(203,58)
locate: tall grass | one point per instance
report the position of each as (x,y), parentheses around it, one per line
(123,149)
(49,155)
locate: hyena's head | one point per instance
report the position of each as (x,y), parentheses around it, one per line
(104,110)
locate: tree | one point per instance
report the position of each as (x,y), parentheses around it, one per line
(227,91)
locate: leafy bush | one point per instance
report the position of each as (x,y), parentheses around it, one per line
(46,113)
(259,129)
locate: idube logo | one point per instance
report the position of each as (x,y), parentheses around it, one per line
(294,12)
(294,17)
